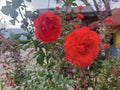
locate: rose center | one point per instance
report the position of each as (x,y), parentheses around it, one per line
(82,49)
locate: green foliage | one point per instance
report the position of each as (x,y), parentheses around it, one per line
(69,3)
(1,85)
(40,58)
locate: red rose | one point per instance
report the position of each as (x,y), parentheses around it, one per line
(57,8)
(82,46)
(77,26)
(108,20)
(80,16)
(47,27)
(80,7)
(106,46)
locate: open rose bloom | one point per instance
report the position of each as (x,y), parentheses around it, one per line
(82,46)
(47,27)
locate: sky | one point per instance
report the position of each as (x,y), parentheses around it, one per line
(38,4)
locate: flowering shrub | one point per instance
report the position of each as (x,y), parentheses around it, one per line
(69,54)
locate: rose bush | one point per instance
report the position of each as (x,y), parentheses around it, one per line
(67,54)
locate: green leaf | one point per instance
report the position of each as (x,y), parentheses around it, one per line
(40,58)
(41,45)
(48,56)
(41,73)
(64,87)
(1,85)
(51,64)
(34,56)
(74,4)
(24,41)
(61,40)
(27,46)
(36,43)
(20,46)
(68,2)
(49,76)
(118,61)
(28,35)
(54,57)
